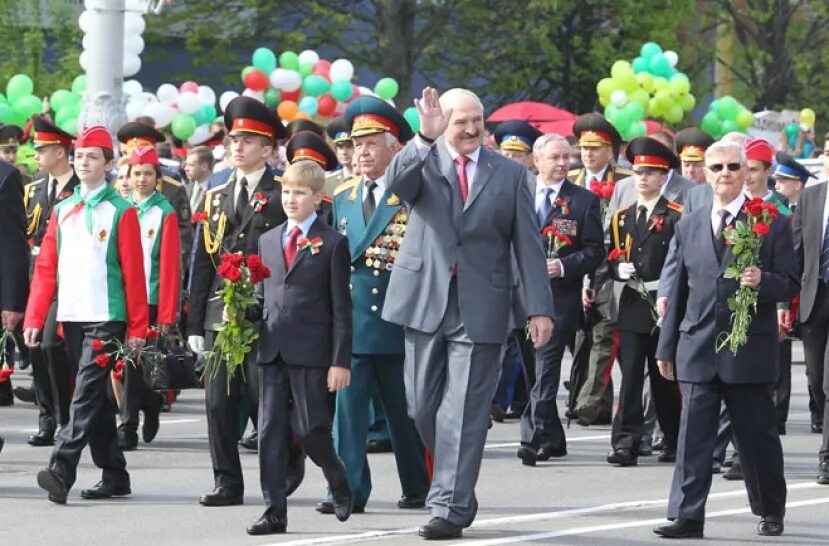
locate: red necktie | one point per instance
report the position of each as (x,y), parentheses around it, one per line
(462,160)
(291,246)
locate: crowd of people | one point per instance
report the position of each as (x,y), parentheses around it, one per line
(411,275)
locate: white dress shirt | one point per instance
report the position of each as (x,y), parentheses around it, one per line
(590,175)
(62,181)
(378,191)
(733,209)
(423,149)
(539,193)
(304,226)
(252,179)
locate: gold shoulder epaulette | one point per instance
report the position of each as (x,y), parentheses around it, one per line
(675,206)
(623,171)
(573,172)
(217,188)
(170,180)
(35,182)
(347,185)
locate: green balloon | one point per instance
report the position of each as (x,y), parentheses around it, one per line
(3,99)
(728,108)
(342,90)
(640,64)
(664,99)
(649,49)
(315,85)
(60,98)
(792,130)
(640,96)
(264,59)
(66,113)
(19,86)
(289,60)
(711,124)
(183,126)
(626,82)
(744,119)
(635,111)
(204,114)
(79,84)
(411,116)
(674,113)
(70,126)
(27,106)
(637,129)
(306,69)
(387,88)
(730,126)
(6,114)
(659,65)
(688,102)
(272,97)
(606,86)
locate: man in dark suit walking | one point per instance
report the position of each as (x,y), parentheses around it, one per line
(451,288)
(698,312)
(304,345)
(574,212)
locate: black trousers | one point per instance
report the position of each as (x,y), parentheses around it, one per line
(294,398)
(223,422)
(514,384)
(783,387)
(540,423)
(635,352)
(137,396)
(815,333)
(91,414)
(53,374)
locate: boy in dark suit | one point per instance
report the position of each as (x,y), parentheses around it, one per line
(304,344)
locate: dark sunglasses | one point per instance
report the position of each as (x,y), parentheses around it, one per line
(717,167)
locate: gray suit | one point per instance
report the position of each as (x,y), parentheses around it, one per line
(456,323)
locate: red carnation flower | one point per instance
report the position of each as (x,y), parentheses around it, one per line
(233,259)
(97,345)
(761,229)
(119,376)
(229,271)
(152,333)
(198,217)
(564,239)
(549,231)
(102,360)
(754,207)
(258,270)
(5,373)
(616,254)
(119,365)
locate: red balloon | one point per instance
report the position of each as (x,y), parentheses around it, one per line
(189,86)
(292,95)
(321,67)
(256,80)
(327,105)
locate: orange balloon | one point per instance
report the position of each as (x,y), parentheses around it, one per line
(302,115)
(287,110)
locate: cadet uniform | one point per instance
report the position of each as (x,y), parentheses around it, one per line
(594,404)
(309,146)
(340,136)
(53,374)
(643,231)
(11,137)
(374,220)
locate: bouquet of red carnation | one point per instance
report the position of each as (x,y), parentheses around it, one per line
(745,239)
(235,337)
(6,370)
(555,241)
(603,189)
(113,350)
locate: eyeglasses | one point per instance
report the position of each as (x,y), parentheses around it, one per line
(717,167)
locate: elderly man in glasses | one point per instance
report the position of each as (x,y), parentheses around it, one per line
(697,313)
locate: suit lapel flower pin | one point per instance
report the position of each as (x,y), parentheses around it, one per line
(259,201)
(657,223)
(313,245)
(563,205)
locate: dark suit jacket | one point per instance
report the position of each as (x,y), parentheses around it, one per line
(808,244)
(305,311)
(579,219)
(206,310)
(14,250)
(36,199)
(698,309)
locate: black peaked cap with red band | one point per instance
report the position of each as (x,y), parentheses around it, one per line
(248,116)
(309,145)
(649,153)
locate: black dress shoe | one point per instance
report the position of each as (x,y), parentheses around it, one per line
(817,428)
(668,455)
(6,399)
(49,480)
(645,450)
(716,468)
(781,429)
(440,529)
(42,438)
(106,490)
(151,420)
(24,395)
(498,414)
(127,441)
(823,473)
(409,503)
(528,455)
(588,416)
(268,524)
(622,457)
(734,473)
(378,446)
(770,526)
(659,444)
(680,528)
(327,507)
(343,503)
(251,441)
(547,452)
(221,497)
(2,443)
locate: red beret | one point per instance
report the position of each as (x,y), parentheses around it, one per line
(758,149)
(144,155)
(95,136)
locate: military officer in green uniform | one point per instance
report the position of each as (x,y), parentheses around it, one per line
(375,222)
(600,143)
(340,137)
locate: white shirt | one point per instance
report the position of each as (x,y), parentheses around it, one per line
(589,175)
(252,179)
(62,181)
(539,192)
(197,193)
(470,165)
(649,205)
(378,190)
(91,193)
(825,212)
(733,209)
(304,226)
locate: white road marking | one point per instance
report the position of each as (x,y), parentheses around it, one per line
(163,422)
(558,514)
(576,439)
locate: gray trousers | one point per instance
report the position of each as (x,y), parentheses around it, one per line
(449,381)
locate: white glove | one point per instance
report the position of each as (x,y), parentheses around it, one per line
(626,270)
(196,344)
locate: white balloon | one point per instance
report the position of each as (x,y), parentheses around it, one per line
(133,23)
(188,102)
(86,20)
(148,97)
(166,114)
(341,69)
(672,57)
(308,56)
(619,98)
(278,78)
(258,95)
(86,41)
(167,93)
(132,64)
(366,91)
(206,95)
(135,108)
(133,43)
(83,60)
(225,99)
(293,81)
(201,134)
(132,87)
(341,106)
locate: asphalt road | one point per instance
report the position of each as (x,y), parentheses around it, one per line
(579,499)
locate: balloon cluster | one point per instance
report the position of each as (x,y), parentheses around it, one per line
(19,103)
(807,123)
(187,109)
(726,115)
(134,26)
(649,85)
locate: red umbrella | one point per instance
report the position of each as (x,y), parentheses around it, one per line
(562,128)
(531,111)
(653,126)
